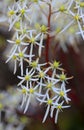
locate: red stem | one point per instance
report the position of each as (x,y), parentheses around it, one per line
(48,36)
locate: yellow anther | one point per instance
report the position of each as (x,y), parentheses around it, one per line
(76,17)
(62,8)
(55,64)
(31,90)
(49,101)
(34,64)
(62,77)
(11,13)
(44,29)
(41,74)
(18,41)
(17,25)
(21,54)
(59,107)
(81,4)
(24,91)
(49,85)
(32,40)
(27,77)
(61,93)
(14,57)
(22,11)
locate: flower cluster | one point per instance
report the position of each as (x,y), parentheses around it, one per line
(32,24)
(10,120)
(66,31)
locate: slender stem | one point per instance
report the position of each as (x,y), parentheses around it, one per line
(48,36)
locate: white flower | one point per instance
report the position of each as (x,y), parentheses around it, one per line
(23,11)
(23,29)
(76,19)
(21,56)
(59,107)
(62,92)
(28,77)
(63,78)
(33,40)
(49,102)
(42,76)
(49,84)
(31,91)
(24,93)
(12,16)
(35,64)
(43,31)
(18,41)
(55,66)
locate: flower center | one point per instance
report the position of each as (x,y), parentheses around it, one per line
(22,11)
(76,17)
(61,93)
(11,13)
(49,85)
(14,57)
(62,8)
(24,91)
(27,77)
(21,55)
(34,64)
(44,29)
(31,90)
(62,77)
(41,74)
(49,101)
(32,40)
(18,41)
(59,107)
(81,4)
(17,25)
(55,64)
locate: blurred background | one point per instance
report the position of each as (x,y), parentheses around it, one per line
(12,118)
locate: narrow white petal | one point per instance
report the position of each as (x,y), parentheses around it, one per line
(46,113)
(27,105)
(67,26)
(56,116)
